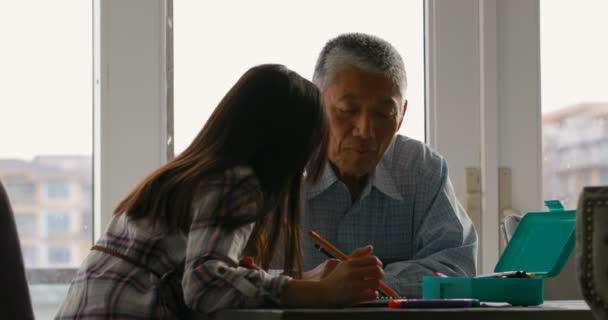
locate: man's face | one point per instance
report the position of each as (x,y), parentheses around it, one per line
(363,110)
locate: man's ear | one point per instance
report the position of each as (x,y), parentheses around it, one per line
(402,115)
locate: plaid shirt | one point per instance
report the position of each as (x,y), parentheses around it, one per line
(408,211)
(167,276)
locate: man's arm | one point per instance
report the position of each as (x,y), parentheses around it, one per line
(445,240)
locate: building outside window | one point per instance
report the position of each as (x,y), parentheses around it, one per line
(58,190)
(46,129)
(27,223)
(21,190)
(30,255)
(574,98)
(59,255)
(58,222)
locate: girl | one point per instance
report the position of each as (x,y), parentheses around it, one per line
(173,247)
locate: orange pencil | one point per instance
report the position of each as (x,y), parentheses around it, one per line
(340,255)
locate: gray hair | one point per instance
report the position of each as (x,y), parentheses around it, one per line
(363,51)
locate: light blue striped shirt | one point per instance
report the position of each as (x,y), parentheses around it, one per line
(408,211)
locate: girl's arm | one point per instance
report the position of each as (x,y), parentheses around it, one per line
(212,277)
(214,280)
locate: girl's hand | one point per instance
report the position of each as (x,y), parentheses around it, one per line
(362,252)
(354,280)
(324,269)
(249,263)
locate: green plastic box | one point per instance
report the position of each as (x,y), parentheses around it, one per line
(541,245)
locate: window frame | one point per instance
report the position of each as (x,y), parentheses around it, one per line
(132,72)
(492,117)
(486,122)
(497,48)
(132,85)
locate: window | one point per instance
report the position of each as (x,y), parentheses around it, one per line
(58,190)
(574,97)
(208,62)
(59,255)
(27,224)
(30,255)
(58,222)
(47,90)
(20,191)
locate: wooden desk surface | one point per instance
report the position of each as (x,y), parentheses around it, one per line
(551,310)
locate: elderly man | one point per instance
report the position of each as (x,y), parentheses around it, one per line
(379,188)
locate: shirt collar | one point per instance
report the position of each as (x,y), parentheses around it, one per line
(327,179)
(384,181)
(380,178)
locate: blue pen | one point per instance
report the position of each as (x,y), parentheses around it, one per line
(506,274)
(433,303)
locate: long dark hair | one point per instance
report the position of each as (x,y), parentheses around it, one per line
(271,120)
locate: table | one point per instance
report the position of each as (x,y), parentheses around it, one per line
(550,310)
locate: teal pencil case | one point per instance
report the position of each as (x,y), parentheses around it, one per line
(541,245)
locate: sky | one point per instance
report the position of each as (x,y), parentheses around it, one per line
(45,78)
(574,52)
(46,62)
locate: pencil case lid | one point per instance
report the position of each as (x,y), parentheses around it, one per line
(542,242)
